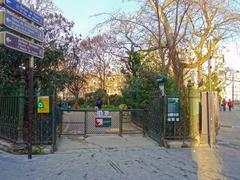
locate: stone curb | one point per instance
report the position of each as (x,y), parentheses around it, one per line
(6,146)
(15,148)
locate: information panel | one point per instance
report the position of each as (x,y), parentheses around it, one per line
(173,109)
(43,104)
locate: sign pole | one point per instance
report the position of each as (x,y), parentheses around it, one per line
(18,43)
(30,105)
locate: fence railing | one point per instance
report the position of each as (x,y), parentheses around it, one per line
(14,122)
(9,117)
(46,127)
(84,122)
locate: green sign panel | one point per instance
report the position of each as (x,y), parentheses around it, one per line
(104,121)
(173,109)
(43,104)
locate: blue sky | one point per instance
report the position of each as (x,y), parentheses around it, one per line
(80,11)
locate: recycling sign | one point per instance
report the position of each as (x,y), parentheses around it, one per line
(43,104)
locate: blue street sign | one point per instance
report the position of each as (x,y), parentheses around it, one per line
(19,44)
(16,24)
(23,11)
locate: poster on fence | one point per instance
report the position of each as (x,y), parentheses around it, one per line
(43,104)
(103,119)
(173,109)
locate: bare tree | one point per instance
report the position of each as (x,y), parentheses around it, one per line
(102,63)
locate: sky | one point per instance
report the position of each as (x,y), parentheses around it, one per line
(82,13)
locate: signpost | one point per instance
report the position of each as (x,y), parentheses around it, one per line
(14,23)
(19,44)
(23,10)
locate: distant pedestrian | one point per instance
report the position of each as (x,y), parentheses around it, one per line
(99,103)
(230,104)
(68,106)
(76,105)
(60,104)
(224,102)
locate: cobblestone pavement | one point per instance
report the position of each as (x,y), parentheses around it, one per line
(132,160)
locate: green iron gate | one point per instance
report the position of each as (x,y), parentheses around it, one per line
(83,122)
(155,119)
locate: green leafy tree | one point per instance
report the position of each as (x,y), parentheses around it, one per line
(140,81)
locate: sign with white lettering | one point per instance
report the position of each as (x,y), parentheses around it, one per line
(173,109)
(17,43)
(14,23)
(23,11)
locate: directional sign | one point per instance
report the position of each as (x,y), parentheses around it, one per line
(15,42)
(16,24)
(23,11)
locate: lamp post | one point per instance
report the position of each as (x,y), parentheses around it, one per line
(161,85)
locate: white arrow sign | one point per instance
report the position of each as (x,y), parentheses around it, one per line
(8,40)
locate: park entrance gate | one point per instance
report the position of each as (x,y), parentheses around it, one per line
(84,122)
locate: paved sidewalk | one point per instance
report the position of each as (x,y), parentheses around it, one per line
(133,158)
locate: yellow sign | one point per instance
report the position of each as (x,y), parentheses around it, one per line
(43,104)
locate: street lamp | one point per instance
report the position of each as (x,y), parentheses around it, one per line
(161,83)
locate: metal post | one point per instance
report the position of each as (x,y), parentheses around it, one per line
(30,105)
(233,74)
(120,123)
(211,132)
(54,121)
(85,123)
(164,111)
(208,121)
(21,107)
(30,100)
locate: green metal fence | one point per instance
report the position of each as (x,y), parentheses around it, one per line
(83,122)
(154,122)
(44,125)
(14,123)
(9,117)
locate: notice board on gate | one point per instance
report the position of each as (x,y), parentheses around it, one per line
(43,104)
(103,119)
(173,109)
